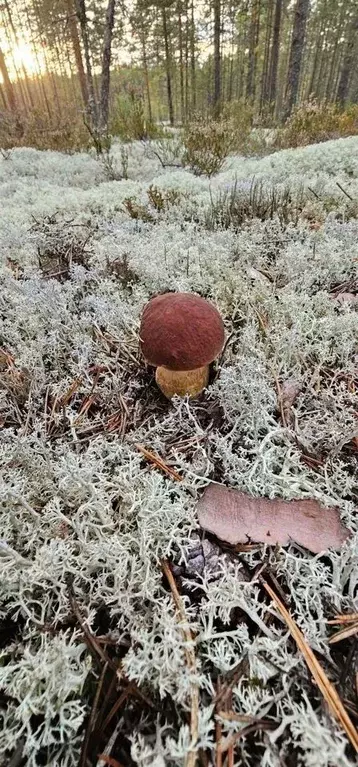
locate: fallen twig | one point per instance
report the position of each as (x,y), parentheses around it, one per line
(190,657)
(260,724)
(347,618)
(326,687)
(158,461)
(344,633)
(95,649)
(92,719)
(344,191)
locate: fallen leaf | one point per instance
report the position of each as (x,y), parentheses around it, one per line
(346,298)
(238,518)
(289,392)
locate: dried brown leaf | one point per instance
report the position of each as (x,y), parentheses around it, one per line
(290,390)
(238,518)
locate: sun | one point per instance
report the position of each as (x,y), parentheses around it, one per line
(23,55)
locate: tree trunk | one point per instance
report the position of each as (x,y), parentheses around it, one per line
(181,63)
(106,64)
(23,68)
(8,86)
(242,39)
(296,54)
(275,52)
(186,64)
(75,40)
(168,66)
(92,106)
(265,79)
(2,97)
(348,63)
(318,90)
(145,67)
(192,57)
(316,59)
(217,56)
(253,43)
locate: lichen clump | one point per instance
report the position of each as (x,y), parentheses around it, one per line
(81,507)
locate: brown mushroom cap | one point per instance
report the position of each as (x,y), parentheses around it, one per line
(181,331)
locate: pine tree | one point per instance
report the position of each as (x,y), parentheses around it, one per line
(296,54)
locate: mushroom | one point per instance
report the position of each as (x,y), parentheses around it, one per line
(180,335)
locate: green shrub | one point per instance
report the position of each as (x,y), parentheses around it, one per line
(130,122)
(65,132)
(244,201)
(312,122)
(207,145)
(241,115)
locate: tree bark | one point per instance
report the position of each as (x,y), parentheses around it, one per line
(253,43)
(348,62)
(106,66)
(181,63)
(275,52)
(23,68)
(8,86)
(168,66)
(217,56)
(316,59)
(265,79)
(296,54)
(75,40)
(192,57)
(92,106)
(145,67)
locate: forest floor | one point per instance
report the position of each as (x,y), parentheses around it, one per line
(94,658)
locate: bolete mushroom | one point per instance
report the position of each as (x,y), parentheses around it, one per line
(180,335)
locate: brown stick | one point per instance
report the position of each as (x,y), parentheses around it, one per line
(190,657)
(326,687)
(158,461)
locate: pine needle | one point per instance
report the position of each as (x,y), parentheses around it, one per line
(191,757)
(326,687)
(348,618)
(345,633)
(158,462)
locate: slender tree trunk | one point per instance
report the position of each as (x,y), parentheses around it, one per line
(186,66)
(8,86)
(192,57)
(145,67)
(275,52)
(348,63)
(319,82)
(106,66)
(231,77)
(181,63)
(240,52)
(17,85)
(40,78)
(265,79)
(92,105)
(217,56)
(2,97)
(316,59)
(75,40)
(23,68)
(253,43)
(168,66)
(296,54)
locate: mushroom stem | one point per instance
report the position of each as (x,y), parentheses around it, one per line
(182,382)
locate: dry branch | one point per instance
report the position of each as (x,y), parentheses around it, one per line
(158,461)
(326,687)
(190,657)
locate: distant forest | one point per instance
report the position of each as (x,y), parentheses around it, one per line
(180,57)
